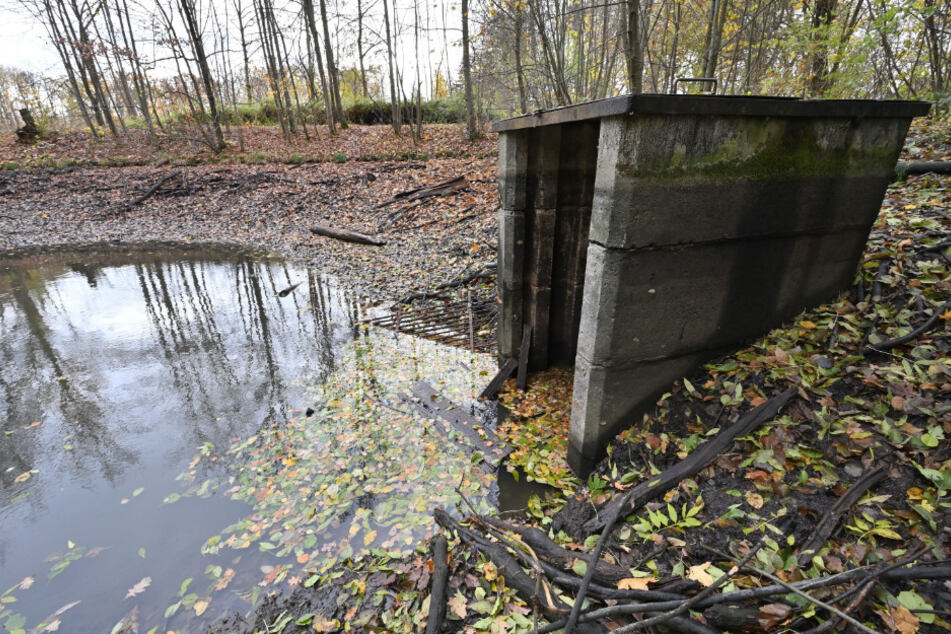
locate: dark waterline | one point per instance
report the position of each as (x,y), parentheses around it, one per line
(116,368)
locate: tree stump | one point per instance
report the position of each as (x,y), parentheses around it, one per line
(30,131)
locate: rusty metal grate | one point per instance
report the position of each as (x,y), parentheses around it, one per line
(467,323)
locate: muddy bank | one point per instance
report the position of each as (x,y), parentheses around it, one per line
(270,208)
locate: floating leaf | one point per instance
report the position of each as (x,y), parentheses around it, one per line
(139,587)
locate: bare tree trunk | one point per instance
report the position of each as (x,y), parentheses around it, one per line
(519,71)
(198,48)
(395,109)
(823,12)
(360,54)
(332,74)
(244,50)
(632,46)
(472,130)
(328,103)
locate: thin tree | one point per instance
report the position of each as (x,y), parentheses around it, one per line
(472,130)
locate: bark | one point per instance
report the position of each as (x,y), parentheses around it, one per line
(198,48)
(394,97)
(314,38)
(823,13)
(519,71)
(332,75)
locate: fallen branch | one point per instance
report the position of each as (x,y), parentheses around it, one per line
(702,456)
(653,487)
(911,336)
(444,188)
(346,236)
(507,565)
(903,168)
(605,573)
(830,520)
(149,193)
(697,598)
(822,604)
(437,595)
(737,596)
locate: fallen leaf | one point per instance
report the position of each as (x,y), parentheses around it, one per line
(457,605)
(899,618)
(755,500)
(772,614)
(53,625)
(200,607)
(23,477)
(225,579)
(139,587)
(68,606)
(699,574)
(635,583)
(26,583)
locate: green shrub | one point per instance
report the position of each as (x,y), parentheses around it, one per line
(339,157)
(11,165)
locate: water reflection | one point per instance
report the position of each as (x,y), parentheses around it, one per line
(115,368)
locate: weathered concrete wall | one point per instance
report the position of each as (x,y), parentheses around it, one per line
(706,232)
(639,244)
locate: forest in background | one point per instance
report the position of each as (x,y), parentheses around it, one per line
(191,68)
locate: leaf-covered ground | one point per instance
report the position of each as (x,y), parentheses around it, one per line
(857,408)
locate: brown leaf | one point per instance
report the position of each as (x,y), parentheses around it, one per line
(899,618)
(772,614)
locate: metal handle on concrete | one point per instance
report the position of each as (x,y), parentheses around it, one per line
(709,80)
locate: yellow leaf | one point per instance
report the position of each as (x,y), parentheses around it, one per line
(368,538)
(914,493)
(755,500)
(200,607)
(808,325)
(699,574)
(635,583)
(489,571)
(320,624)
(23,477)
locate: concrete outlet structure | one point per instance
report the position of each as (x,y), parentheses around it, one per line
(640,236)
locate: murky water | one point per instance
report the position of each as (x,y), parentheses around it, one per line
(156,463)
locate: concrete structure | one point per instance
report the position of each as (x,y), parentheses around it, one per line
(640,236)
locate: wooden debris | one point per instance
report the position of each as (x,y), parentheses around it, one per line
(492,389)
(522,377)
(437,594)
(346,236)
(444,188)
(154,188)
(433,405)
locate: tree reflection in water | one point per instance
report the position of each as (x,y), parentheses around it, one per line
(116,366)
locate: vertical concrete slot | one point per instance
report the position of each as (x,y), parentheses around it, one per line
(640,236)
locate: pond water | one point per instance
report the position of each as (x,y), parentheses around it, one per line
(179,439)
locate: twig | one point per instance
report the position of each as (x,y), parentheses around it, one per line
(151,191)
(892,343)
(830,520)
(692,601)
(822,604)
